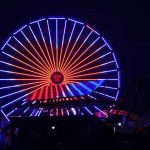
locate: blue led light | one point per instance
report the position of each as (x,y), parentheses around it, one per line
(20,29)
(5,43)
(106,43)
(37,20)
(75,21)
(93,30)
(5,115)
(88,110)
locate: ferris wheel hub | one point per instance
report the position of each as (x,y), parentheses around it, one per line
(57,77)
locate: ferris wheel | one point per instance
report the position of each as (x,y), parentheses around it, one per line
(59,59)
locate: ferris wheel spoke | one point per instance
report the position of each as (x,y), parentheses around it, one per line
(51,65)
(33,97)
(69,90)
(46,92)
(64,66)
(75,71)
(23,62)
(44,67)
(79,91)
(25,56)
(56,44)
(63,91)
(82,61)
(79,49)
(52,49)
(92,73)
(62,44)
(85,51)
(40,49)
(100,111)
(20,91)
(64,56)
(22,68)
(19,85)
(106,95)
(41,65)
(39,86)
(41,93)
(56,89)
(20,73)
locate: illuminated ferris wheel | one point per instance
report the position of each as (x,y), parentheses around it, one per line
(59,59)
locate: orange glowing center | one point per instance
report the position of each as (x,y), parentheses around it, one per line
(57,77)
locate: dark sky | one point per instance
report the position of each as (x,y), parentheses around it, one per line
(125,25)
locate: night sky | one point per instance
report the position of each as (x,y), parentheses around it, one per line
(125,25)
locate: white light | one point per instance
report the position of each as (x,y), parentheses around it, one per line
(53,127)
(119,124)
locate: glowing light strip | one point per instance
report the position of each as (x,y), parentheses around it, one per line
(101,111)
(62,90)
(44,67)
(37,21)
(56,88)
(88,110)
(11,112)
(89,57)
(118,79)
(84,52)
(17,85)
(92,29)
(24,56)
(22,68)
(101,72)
(5,43)
(74,111)
(46,92)
(117,96)
(62,112)
(32,113)
(20,73)
(40,48)
(21,61)
(56,111)
(79,49)
(25,89)
(21,97)
(19,79)
(90,79)
(26,110)
(105,95)
(108,87)
(23,103)
(76,70)
(64,56)
(69,90)
(56,44)
(67,112)
(20,29)
(51,66)
(49,32)
(56,18)
(106,43)
(76,89)
(34,95)
(40,93)
(115,60)
(40,112)
(52,93)
(62,44)
(5,115)
(91,97)
(37,113)
(72,49)
(85,87)
(75,21)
